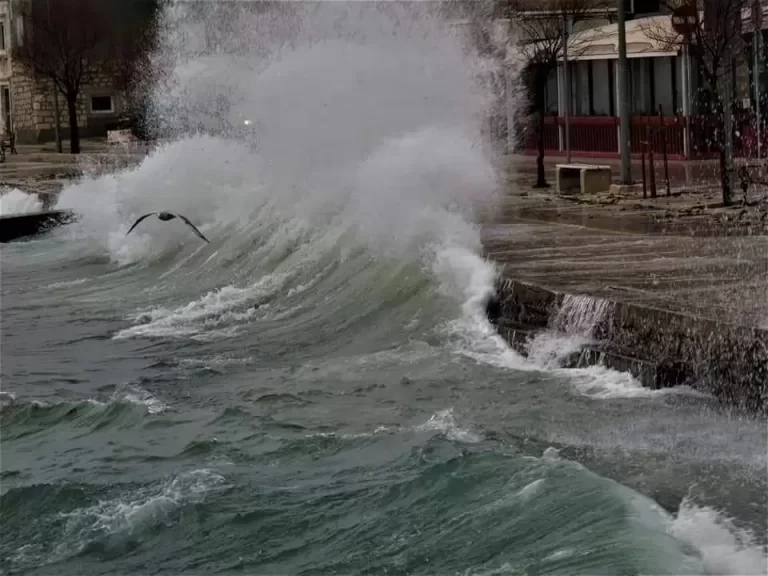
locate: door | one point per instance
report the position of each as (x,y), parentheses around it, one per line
(5,109)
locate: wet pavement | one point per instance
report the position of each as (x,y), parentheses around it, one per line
(683,254)
(690,174)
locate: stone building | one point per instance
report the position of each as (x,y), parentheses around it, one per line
(28,103)
(5,66)
(99,105)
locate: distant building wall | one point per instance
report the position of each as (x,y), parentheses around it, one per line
(5,67)
(99,104)
(31,96)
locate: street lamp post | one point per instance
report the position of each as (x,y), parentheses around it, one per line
(626,173)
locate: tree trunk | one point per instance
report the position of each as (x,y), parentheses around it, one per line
(540,91)
(725,176)
(541,180)
(74,130)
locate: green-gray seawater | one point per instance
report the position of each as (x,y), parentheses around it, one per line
(318,390)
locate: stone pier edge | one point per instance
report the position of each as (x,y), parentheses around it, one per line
(660,348)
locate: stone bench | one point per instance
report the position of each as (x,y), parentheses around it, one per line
(120,137)
(583,178)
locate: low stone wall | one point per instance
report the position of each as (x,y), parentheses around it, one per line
(17,226)
(658,347)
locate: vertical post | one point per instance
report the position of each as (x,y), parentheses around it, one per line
(626,175)
(651,166)
(567,99)
(720,23)
(511,128)
(757,25)
(686,90)
(560,109)
(56,111)
(57,118)
(642,167)
(664,150)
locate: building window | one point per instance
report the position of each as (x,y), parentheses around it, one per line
(101,104)
(2,35)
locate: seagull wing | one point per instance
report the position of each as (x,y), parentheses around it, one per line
(139,220)
(200,234)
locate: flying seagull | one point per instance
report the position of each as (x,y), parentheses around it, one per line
(165,216)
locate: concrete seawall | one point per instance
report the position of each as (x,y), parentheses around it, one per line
(672,290)
(658,347)
(17,226)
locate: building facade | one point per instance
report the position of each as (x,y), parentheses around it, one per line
(669,99)
(28,101)
(6,66)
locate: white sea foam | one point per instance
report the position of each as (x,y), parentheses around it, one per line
(68,283)
(724,547)
(140,397)
(445,423)
(135,512)
(15,201)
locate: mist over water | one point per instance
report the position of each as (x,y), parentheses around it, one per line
(318,390)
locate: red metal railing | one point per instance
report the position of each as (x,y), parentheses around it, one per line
(597,136)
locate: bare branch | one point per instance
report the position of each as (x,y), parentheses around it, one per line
(714,36)
(60,35)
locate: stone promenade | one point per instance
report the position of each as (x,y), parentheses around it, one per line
(688,277)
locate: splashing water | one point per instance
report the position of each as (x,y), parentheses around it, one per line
(364,129)
(571,328)
(308,354)
(15,201)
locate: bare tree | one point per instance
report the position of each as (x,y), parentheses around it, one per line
(64,40)
(540,34)
(714,40)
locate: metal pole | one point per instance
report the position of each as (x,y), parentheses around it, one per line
(687,93)
(567,99)
(626,174)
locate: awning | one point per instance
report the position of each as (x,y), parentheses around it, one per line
(651,37)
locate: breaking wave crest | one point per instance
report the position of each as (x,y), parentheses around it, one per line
(531,509)
(353,192)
